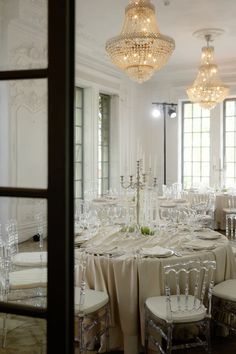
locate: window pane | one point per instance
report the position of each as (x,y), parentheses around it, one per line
(23,133)
(78,135)
(206,124)
(229,139)
(78,152)
(103,143)
(188,169)
(78,117)
(78,189)
(188,110)
(196,139)
(205,154)
(196,110)
(187,125)
(205,139)
(196,154)
(230,124)
(230,108)
(229,154)
(205,113)
(196,181)
(188,137)
(197,125)
(78,156)
(78,170)
(187,154)
(205,169)
(79,97)
(24,334)
(196,169)
(230,170)
(23,39)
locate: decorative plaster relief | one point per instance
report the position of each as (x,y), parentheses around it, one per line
(28,55)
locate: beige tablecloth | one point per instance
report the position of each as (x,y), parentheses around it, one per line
(130,279)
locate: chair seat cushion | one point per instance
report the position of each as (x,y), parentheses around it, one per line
(28,278)
(94,300)
(226,290)
(30,259)
(157,305)
(229,211)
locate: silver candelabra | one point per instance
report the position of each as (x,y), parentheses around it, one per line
(138,184)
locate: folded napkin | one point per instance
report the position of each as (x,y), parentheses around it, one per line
(157,251)
(200,245)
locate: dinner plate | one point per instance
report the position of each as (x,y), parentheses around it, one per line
(200,245)
(208,235)
(157,251)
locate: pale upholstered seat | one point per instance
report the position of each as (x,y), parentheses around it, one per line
(91,311)
(30,259)
(28,278)
(191,284)
(225,290)
(94,300)
(157,305)
(224,304)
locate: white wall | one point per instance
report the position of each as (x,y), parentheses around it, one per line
(23,110)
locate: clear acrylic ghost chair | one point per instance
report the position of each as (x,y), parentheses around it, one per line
(186,305)
(91,310)
(20,286)
(224,304)
(22,259)
(230,213)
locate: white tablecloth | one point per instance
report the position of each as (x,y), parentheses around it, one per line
(130,280)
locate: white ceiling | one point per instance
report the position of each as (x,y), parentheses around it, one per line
(98,20)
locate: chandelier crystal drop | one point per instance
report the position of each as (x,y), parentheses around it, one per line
(207,89)
(140,49)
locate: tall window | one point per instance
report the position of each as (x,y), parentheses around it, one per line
(103,143)
(230,142)
(78,143)
(195,145)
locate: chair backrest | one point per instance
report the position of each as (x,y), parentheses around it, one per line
(232,202)
(193,278)
(80,275)
(11,242)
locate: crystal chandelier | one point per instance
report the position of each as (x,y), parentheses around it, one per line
(208,89)
(140,49)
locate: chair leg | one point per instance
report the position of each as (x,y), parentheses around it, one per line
(169,340)
(208,336)
(4,331)
(107,347)
(81,336)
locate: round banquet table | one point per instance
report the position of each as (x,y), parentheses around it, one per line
(117,265)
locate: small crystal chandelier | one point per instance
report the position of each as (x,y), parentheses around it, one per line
(207,89)
(140,49)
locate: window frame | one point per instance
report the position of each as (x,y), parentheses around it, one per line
(60,74)
(224,140)
(101,190)
(182,146)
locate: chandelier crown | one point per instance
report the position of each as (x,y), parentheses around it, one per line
(140,49)
(207,89)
